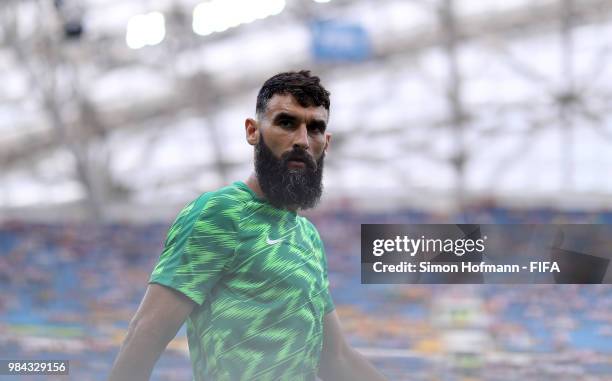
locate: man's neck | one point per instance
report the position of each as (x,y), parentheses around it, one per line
(253,184)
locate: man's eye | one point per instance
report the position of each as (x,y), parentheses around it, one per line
(285,123)
(316,129)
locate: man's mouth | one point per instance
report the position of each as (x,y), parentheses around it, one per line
(296,163)
(300,160)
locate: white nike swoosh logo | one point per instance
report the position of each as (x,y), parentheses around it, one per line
(273,241)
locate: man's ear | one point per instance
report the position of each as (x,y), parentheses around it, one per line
(251,128)
(328,137)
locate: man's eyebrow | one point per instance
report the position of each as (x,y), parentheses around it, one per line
(315,123)
(318,123)
(284,116)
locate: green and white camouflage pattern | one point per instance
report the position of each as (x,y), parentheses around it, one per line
(259,277)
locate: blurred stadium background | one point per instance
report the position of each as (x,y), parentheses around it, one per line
(113,114)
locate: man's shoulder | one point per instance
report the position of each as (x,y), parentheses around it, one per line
(226,202)
(231,196)
(310,227)
(307,223)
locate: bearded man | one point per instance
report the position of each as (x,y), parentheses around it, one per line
(247,273)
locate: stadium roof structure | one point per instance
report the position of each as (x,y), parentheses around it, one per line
(435,103)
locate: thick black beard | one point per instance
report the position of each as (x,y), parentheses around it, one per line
(284,187)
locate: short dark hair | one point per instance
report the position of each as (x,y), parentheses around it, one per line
(306,89)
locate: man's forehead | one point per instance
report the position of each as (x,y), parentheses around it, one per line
(286,103)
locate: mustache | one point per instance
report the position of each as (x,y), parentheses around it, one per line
(298,154)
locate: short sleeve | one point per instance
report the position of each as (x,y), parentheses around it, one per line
(328,303)
(199,247)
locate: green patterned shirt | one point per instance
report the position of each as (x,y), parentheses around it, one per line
(259,277)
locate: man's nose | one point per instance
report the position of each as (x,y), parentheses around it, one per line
(300,138)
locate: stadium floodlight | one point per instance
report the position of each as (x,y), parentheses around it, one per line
(219,15)
(145,30)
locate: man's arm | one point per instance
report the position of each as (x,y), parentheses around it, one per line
(160,315)
(340,362)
